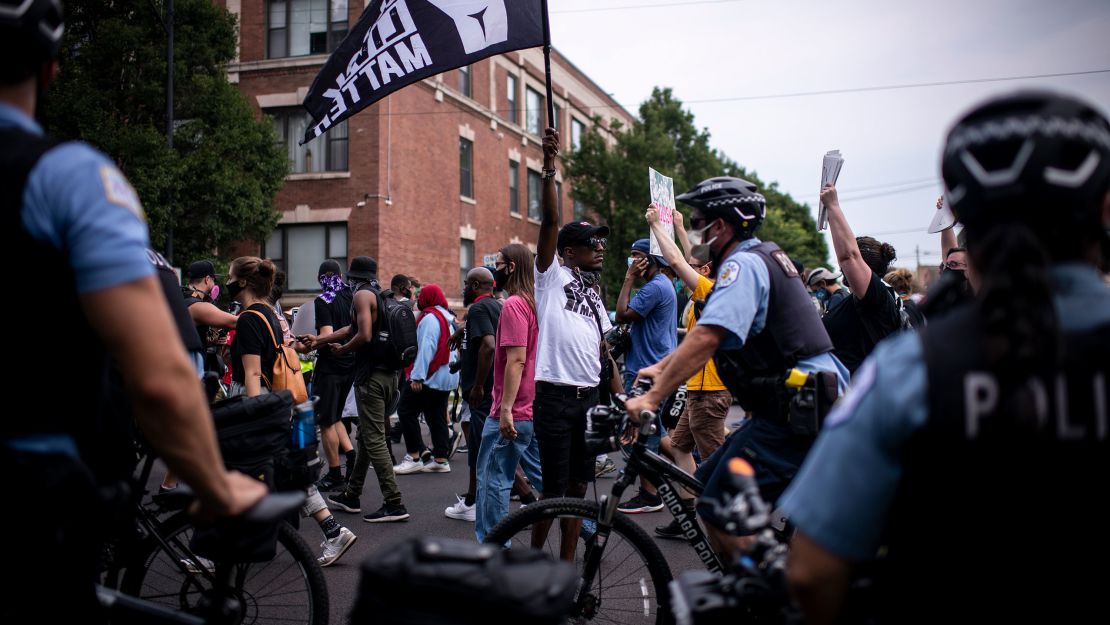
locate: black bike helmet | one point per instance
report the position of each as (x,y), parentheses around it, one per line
(30,34)
(1036,157)
(732,199)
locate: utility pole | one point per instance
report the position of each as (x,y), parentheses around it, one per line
(169,114)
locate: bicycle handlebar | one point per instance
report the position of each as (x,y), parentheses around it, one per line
(271,508)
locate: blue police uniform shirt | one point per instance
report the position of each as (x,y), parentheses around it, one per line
(739,304)
(841,496)
(78,201)
(655,333)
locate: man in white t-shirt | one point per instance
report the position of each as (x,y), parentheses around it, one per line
(573,322)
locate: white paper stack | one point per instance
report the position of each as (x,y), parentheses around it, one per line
(830,171)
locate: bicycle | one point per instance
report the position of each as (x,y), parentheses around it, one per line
(754,590)
(155,564)
(222,604)
(641,595)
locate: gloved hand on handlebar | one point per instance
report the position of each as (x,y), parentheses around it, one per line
(638,403)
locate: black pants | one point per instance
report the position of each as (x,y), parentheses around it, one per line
(57,568)
(433,403)
(560,425)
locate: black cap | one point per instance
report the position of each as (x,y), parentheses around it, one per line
(579,232)
(201,269)
(363,268)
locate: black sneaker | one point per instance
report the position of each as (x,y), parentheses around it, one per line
(345,502)
(387,514)
(426,456)
(670,530)
(641,503)
(329,484)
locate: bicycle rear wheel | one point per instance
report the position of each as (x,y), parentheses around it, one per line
(290,588)
(630,584)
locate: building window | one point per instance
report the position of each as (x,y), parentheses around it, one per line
(466,167)
(535,193)
(576,130)
(511,93)
(559,198)
(466,260)
(579,210)
(299,250)
(302,27)
(327,152)
(464,81)
(558,119)
(514,187)
(533,111)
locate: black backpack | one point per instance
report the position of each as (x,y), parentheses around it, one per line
(395,335)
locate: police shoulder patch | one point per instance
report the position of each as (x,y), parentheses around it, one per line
(119,191)
(728,274)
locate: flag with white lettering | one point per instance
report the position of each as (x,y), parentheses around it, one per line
(398,42)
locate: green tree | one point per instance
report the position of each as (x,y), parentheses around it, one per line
(611,180)
(217,184)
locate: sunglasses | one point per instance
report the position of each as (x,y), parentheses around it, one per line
(595,242)
(955,265)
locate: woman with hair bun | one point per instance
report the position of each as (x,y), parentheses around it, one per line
(250,282)
(856,324)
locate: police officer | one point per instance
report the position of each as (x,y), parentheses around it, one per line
(758,324)
(67,206)
(976,451)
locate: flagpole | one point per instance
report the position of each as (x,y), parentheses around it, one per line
(547,65)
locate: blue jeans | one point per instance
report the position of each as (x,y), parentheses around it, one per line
(497,462)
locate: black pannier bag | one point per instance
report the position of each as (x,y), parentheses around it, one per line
(253,432)
(423,581)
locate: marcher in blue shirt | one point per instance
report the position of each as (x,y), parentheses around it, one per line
(654,335)
(976,452)
(740,324)
(71,213)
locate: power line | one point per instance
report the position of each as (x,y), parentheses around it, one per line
(871,196)
(873,187)
(797,94)
(645,6)
(800,94)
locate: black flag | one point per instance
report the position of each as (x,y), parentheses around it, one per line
(398,42)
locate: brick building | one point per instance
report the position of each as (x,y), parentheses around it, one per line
(429,180)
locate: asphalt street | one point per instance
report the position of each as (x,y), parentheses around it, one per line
(425,496)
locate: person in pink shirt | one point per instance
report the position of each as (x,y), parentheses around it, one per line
(508,439)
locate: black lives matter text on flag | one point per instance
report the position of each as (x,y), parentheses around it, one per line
(398,42)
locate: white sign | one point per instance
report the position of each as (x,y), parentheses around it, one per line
(830,171)
(662,196)
(489,260)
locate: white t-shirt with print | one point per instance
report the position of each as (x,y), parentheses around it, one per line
(569,343)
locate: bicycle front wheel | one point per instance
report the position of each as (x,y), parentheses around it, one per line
(290,588)
(629,584)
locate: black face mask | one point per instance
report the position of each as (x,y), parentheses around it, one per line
(500,278)
(234,289)
(468,296)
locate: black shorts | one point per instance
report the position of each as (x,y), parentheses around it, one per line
(332,389)
(559,414)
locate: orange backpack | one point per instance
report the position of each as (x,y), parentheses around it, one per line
(287,368)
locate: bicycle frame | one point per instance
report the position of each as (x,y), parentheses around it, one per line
(643,461)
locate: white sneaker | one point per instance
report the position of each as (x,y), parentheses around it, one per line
(205,564)
(334,548)
(408,465)
(437,467)
(460,511)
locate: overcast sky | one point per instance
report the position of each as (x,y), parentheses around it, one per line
(714,49)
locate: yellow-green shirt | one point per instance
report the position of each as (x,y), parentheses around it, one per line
(706,379)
